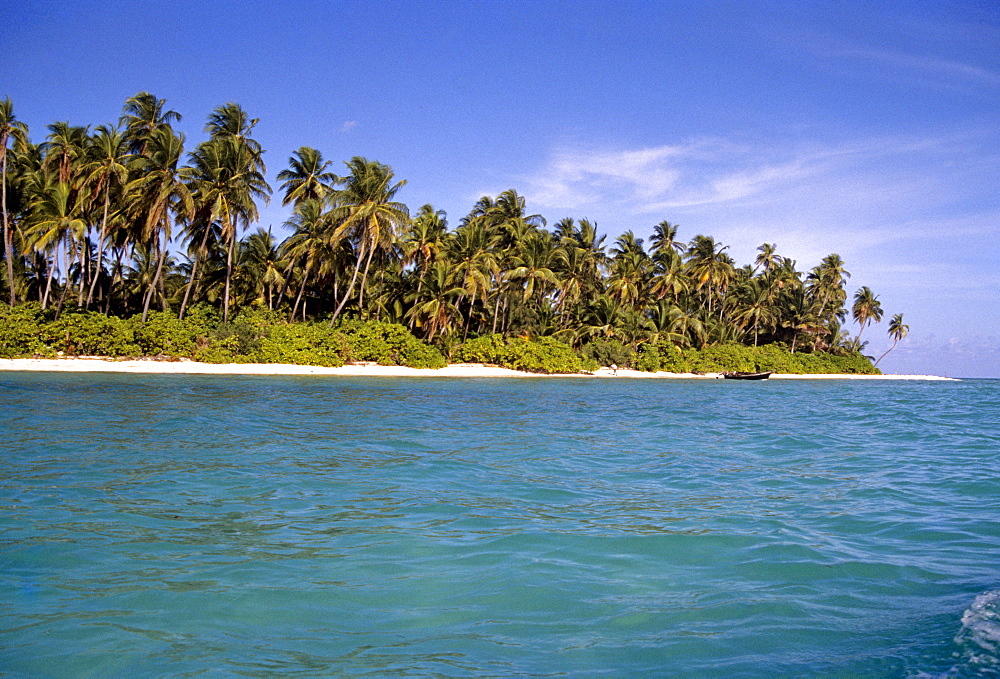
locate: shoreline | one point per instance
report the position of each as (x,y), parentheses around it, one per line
(186,367)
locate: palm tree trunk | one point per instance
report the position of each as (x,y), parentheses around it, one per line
(8,244)
(229,275)
(62,296)
(156,279)
(361,292)
(302,289)
(50,274)
(894,343)
(115,275)
(84,268)
(100,250)
(347,293)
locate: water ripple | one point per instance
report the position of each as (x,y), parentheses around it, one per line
(390,527)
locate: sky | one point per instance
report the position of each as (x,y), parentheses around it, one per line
(868,129)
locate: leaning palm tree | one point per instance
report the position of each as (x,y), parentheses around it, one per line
(9,125)
(897,331)
(365,208)
(866,309)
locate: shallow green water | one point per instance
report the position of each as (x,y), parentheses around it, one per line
(164,525)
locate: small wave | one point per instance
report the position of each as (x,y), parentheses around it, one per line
(979,637)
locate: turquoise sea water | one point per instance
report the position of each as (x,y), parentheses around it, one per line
(257,526)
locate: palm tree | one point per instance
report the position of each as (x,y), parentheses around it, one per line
(424,240)
(9,125)
(310,245)
(866,309)
(434,308)
(710,267)
(159,191)
(306,177)
(229,127)
(57,220)
(665,239)
(366,209)
(759,310)
(767,259)
(144,114)
(897,331)
(107,171)
(259,268)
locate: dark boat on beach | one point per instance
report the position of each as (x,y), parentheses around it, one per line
(747,376)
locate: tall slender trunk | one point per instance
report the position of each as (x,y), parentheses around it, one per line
(115,276)
(347,294)
(8,240)
(229,275)
(161,255)
(302,289)
(496,315)
(100,248)
(364,278)
(48,281)
(194,272)
(62,295)
(84,268)
(284,286)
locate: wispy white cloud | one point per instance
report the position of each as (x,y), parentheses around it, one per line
(348,125)
(929,68)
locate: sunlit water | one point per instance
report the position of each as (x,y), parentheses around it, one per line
(252,526)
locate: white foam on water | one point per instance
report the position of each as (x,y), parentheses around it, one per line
(980,633)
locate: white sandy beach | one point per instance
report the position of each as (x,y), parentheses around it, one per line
(184,367)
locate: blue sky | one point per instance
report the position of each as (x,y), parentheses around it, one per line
(869,129)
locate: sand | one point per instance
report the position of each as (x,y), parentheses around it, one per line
(184,367)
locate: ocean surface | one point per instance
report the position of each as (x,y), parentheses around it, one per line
(157,525)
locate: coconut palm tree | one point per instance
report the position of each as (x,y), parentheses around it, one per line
(365,209)
(424,240)
(866,309)
(9,126)
(229,127)
(306,177)
(107,171)
(57,220)
(434,308)
(897,331)
(156,193)
(710,268)
(144,114)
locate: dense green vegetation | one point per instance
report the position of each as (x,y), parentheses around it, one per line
(118,242)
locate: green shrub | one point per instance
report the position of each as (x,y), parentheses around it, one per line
(542,355)
(609,352)
(20,331)
(732,357)
(164,334)
(388,344)
(303,344)
(486,349)
(89,333)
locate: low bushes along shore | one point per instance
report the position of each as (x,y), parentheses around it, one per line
(261,336)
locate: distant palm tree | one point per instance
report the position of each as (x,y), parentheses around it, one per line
(157,192)
(306,177)
(107,172)
(866,309)
(144,114)
(897,331)
(9,125)
(366,209)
